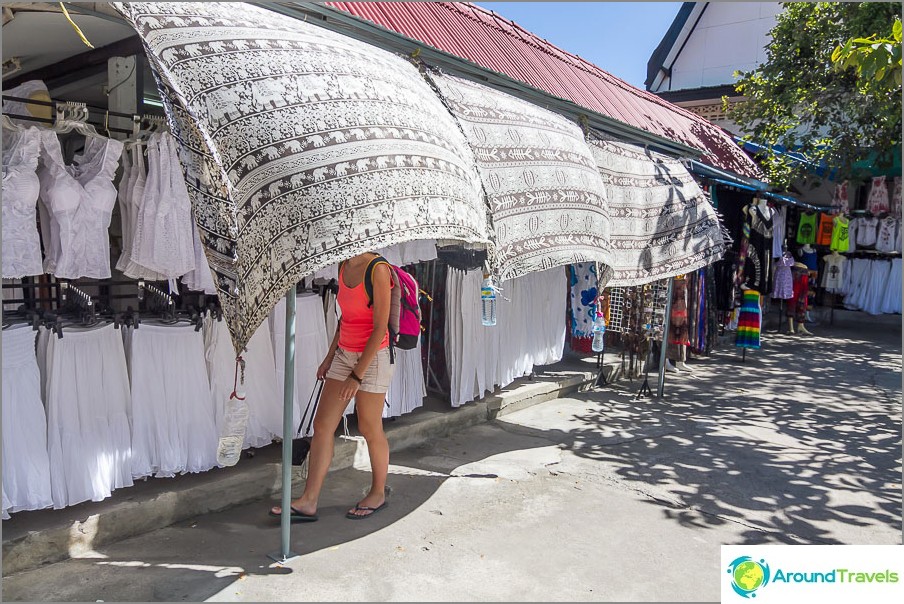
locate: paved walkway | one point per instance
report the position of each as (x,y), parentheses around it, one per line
(592,497)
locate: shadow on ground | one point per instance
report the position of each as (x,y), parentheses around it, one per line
(799,443)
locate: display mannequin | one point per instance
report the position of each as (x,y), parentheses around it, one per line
(679,335)
(797,305)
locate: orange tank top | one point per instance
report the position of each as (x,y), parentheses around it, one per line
(357,317)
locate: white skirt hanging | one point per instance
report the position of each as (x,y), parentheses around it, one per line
(26,465)
(88,407)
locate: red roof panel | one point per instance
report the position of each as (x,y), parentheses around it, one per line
(495,43)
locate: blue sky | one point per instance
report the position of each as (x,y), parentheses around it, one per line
(618,36)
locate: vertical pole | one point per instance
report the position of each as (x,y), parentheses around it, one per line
(667,320)
(288,432)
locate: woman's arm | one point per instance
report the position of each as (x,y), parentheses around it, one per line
(328,359)
(382,300)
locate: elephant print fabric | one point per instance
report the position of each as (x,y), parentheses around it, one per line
(544,192)
(297,145)
(662,223)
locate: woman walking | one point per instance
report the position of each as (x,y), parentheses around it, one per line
(357,366)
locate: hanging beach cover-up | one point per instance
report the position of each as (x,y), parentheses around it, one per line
(301,147)
(662,224)
(546,198)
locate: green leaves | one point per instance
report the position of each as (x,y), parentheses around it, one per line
(830,87)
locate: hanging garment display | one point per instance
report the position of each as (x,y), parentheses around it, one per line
(886,238)
(679,327)
(21,242)
(26,465)
(661,223)
(872,285)
(200,279)
(759,247)
(407,389)
(797,304)
(311,345)
(748,335)
(825,231)
(833,272)
(840,202)
(779,220)
(583,294)
(264,399)
(302,147)
(891,300)
(867,231)
(163,239)
(131,200)
(480,358)
(810,258)
(173,420)
(895,202)
(877,202)
(79,200)
(783,288)
(841,241)
(545,194)
(806,228)
(88,427)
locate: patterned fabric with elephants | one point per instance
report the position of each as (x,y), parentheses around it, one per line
(545,195)
(662,223)
(301,147)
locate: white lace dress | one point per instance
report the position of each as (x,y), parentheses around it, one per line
(21,243)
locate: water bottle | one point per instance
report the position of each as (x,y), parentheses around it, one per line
(235,419)
(488,302)
(599,334)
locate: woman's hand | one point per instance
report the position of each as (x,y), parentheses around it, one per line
(324,367)
(349,389)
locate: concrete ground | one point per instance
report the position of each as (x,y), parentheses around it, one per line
(597,496)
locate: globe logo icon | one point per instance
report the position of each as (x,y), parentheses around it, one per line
(748,575)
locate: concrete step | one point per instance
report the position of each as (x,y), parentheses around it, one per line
(32,539)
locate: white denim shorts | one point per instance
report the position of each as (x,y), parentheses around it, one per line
(377,377)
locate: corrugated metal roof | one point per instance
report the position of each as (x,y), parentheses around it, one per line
(495,43)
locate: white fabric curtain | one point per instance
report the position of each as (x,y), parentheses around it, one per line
(480,358)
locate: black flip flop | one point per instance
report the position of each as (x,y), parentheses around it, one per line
(296,516)
(364,508)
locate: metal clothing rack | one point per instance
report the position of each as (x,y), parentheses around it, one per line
(102,123)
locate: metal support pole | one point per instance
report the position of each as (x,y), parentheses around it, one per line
(666,322)
(285,553)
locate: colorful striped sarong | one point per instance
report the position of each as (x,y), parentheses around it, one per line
(749,321)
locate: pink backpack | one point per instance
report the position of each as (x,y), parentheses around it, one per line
(404,309)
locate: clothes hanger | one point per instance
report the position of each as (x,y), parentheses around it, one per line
(78,123)
(8,124)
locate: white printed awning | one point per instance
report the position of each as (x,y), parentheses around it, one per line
(662,223)
(302,147)
(545,195)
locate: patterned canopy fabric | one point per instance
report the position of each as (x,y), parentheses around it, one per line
(544,191)
(662,223)
(301,147)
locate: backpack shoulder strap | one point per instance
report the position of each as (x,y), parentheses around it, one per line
(369,277)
